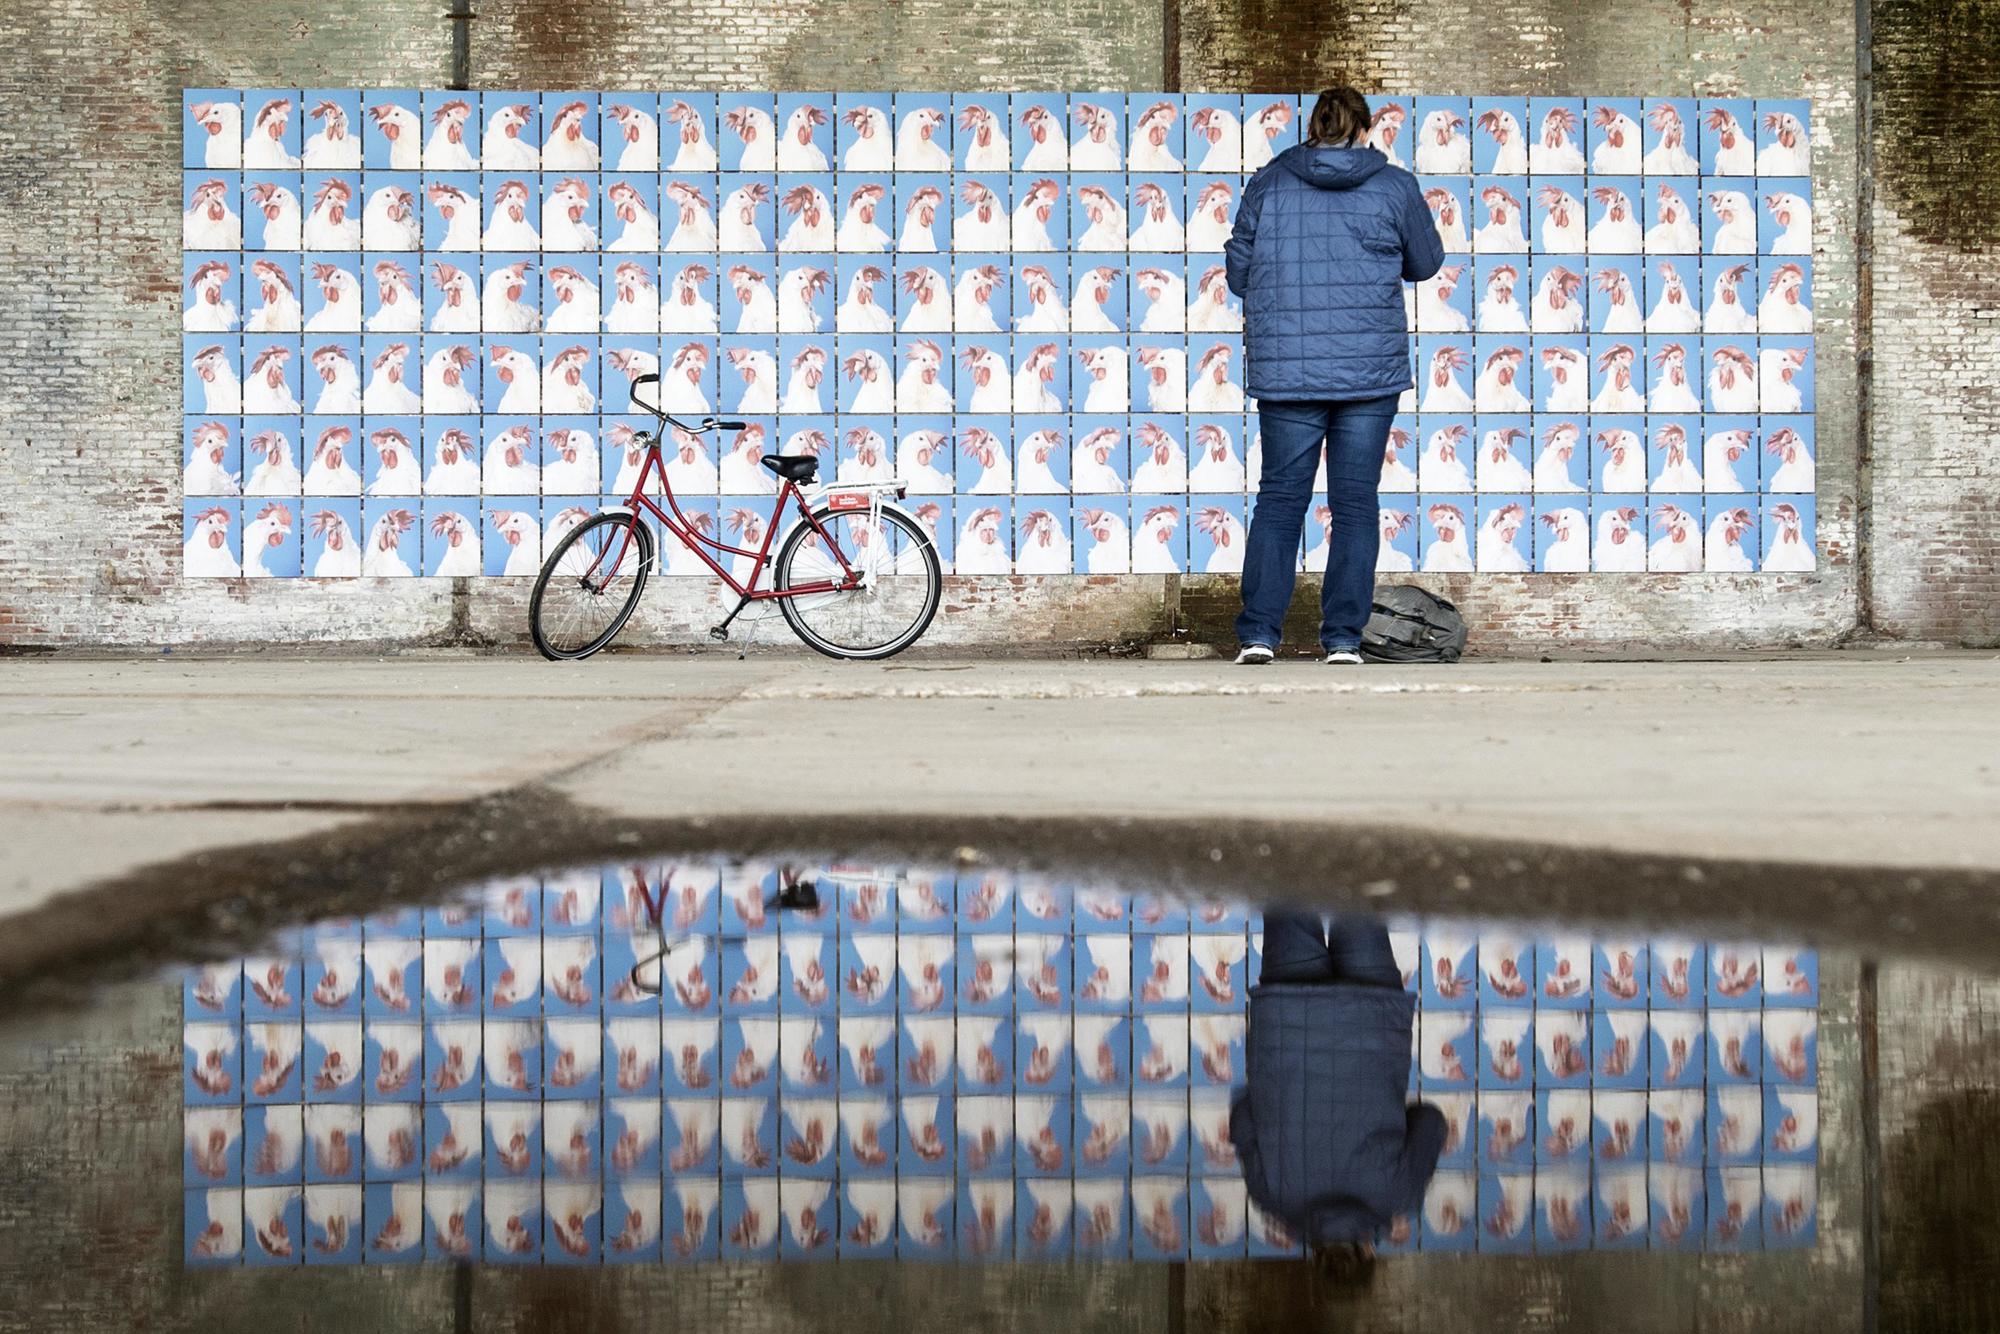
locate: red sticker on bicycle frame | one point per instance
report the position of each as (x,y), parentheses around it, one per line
(847,502)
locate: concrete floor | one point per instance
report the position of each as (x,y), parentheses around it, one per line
(162,808)
(1702,776)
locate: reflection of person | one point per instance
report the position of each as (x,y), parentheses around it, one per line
(1325,1140)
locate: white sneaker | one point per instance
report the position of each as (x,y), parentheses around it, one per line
(1347,657)
(1254,655)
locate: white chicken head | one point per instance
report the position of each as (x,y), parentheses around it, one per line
(1618,444)
(1502,209)
(804,121)
(925,358)
(447,199)
(1097,123)
(1500,124)
(1786,128)
(1559,126)
(453,447)
(1441,126)
(1219,525)
(1448,521)
(1214,202)
(1785,444)
(1617,206)
(453,527)
(806,203)
(332,363)
(1558,203)
(329,526)
(391,446)
(1443,205)
(978,444)
(632,282)
(1565,524)
(1617,126)
(1675,522)
(215,118)
(331,451)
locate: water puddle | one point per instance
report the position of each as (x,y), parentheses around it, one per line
(724,1064)
(858,1062)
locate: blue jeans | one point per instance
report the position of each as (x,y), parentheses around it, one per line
(1356,434)
(1350,949)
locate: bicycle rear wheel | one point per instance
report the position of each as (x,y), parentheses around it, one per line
(902,584)
(590,585)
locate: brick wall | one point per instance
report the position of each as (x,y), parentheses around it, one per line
(1934,484)
(89,303)
(89,472)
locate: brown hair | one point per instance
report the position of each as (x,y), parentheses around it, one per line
(1339,117)
(1345,1269)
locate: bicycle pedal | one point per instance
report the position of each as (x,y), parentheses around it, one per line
(717,633)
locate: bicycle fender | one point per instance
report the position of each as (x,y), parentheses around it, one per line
(887,507)
(896,507)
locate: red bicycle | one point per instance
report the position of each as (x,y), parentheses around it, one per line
(870,597)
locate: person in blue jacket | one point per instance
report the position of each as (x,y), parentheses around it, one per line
(1321,1129)
(1325,237)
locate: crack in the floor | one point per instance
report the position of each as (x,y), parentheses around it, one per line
(270,806)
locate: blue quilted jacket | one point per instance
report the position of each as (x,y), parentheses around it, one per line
(1324,240)
(1325,1140)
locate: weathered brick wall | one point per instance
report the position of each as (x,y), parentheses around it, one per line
(1934,517)
(89,308)
(90,528)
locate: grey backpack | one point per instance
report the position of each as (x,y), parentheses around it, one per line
(1410,625)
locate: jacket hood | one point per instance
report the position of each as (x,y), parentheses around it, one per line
(1332,168)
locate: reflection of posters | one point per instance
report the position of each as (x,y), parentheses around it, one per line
(934,1063)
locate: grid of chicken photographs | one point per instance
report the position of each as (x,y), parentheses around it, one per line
(412,319)
(940,1065)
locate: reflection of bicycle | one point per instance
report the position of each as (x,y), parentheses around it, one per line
(870,596)
(795,894)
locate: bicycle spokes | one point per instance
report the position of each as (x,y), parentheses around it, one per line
(590,585)
(884,579)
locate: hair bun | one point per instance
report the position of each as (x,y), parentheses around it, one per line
(1340,116)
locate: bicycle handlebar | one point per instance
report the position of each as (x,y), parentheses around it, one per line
(706,423)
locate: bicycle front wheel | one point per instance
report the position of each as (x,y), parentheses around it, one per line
(590,585)
(902,584)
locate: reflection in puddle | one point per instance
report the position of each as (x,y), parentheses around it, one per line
(730,1061)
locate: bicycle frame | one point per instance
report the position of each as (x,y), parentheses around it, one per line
(676,523)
